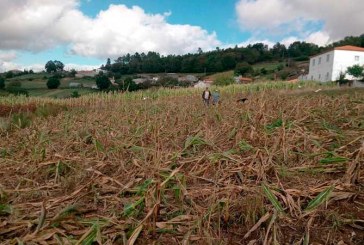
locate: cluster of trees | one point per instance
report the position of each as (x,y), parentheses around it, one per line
(54,66)
(219,59)
(13,87)
(11,74)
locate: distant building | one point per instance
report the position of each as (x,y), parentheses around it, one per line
(329,65)
(75,85)
(139,80)
(203,84)
(81,74)
(188,78)
(172,75)
(241,79)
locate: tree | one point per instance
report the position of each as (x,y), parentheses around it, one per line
(243,68)
(128,85)
(59,65)
(102,81)
(9,74)
(108,64)
(356,71)
(54,66)
(53,82)
(73,73)
(50,66)
(2,83)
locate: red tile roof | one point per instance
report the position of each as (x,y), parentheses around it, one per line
(350,48)
(245,79)
(346,48)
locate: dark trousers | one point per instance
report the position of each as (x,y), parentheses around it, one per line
(206,102)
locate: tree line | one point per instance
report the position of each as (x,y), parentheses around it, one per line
(220,59)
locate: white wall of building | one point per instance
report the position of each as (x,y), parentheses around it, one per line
(321,67)
(328,66)
(344,59)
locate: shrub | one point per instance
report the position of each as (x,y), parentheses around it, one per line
(223,80)
(243,68)
(102,82)
(14,84)
(75,94)
(53,82)
(283,74)
(2,83)
(356,71)
(263,71)
(17,91)
(280,67)
(9,74)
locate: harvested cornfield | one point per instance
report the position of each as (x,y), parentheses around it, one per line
(285,167)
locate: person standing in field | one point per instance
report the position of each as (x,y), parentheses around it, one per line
(215,97)
(206,95)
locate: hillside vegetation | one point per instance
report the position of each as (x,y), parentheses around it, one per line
(159,167)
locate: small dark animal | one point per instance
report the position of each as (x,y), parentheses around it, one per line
(242,100)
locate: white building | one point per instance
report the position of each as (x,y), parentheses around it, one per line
(328,66)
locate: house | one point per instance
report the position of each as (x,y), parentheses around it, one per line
(74,85)
(203,84)
(329,65)
(241,79)
(139,80)
(81,74)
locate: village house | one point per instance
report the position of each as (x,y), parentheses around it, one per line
(74,85)
(81,74)
(188,78)
(139,80)
(203,84)
(242,80)
(328,66)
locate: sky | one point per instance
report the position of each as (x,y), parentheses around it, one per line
(84,33)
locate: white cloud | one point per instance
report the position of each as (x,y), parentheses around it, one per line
(37,25)
(79,67)
(254,41)
(304,18)
(6,66)
(289,40)
(320,38)
(29,24)
(7,56)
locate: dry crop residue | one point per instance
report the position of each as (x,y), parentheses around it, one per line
(285,169)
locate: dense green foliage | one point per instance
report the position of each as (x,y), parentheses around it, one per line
(128,85)
(102,82)
(54,66)
(220,59)
(2,83)
(356,71)
(53,82)
(15,87)
(243,69)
